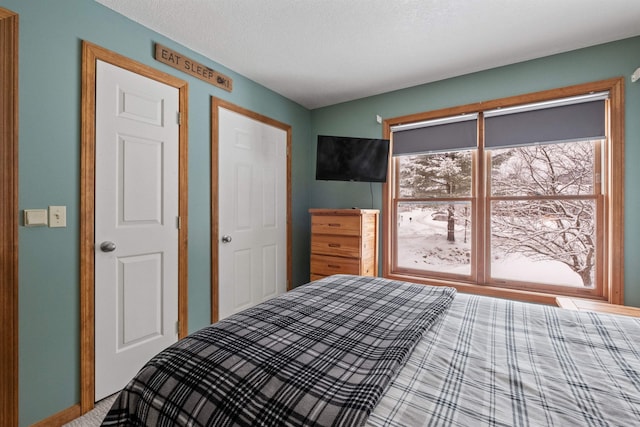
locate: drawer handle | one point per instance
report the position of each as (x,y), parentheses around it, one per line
(334,224)
(333,266)
(334,245)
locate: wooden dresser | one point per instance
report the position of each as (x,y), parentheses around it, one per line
(344,241)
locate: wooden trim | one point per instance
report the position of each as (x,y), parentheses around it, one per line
(8,218)
(90,54)
(215,231)
(613,264)
(87,267)
(564,302)
(386,233)
(599,307)
(480,208)
(215,236)
(183,211)
(545,95)
(60,418)
(489,291)
(615,190)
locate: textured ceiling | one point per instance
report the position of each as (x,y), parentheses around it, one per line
(323,52)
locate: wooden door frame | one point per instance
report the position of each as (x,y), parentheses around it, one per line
(215,104)
(90,54)
(9,403)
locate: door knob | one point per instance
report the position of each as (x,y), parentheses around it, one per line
(226,238)
(107,246)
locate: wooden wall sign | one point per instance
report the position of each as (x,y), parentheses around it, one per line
(189,66)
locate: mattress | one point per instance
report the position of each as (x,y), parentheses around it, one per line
(495,362)
(351,351)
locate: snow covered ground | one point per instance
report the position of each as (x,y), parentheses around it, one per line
(422,244)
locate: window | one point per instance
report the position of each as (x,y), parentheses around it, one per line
(544,214)
(522,194)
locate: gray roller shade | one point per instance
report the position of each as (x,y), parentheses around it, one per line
(575,122)
(457,133)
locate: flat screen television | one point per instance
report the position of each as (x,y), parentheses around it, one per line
(343,158)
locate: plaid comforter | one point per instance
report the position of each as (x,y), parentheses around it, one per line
(322,354)
(493,362)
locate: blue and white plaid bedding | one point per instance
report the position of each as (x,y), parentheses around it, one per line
(493,362)
(322,354)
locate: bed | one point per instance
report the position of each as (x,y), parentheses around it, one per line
(351,351)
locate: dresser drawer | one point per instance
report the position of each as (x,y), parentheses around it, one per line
(336,224)
(338,245)
(324,265)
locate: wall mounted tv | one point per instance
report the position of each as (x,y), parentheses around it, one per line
(343,158)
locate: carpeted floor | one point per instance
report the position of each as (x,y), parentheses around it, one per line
(94,417)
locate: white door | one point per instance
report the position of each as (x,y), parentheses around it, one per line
(136,210)
(252,211)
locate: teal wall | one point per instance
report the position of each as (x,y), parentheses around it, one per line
(357,118)
(50,57)
(49,169)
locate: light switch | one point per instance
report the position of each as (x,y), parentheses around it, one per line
(57,216)
(35,217)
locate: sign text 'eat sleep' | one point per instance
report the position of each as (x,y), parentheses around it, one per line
(189,66)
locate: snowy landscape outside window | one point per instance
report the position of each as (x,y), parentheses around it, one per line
(544,213)
(434,226)
(512,198)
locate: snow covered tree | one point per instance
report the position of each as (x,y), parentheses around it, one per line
(437,175)
(545,224)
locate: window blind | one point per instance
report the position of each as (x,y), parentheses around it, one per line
(448,134)
(559,121)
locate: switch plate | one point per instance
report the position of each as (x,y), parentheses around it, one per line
(35,217)
(57,216)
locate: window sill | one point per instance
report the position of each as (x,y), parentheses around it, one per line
(490,291)
(597,306)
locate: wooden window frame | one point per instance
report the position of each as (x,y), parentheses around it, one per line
(612,264)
